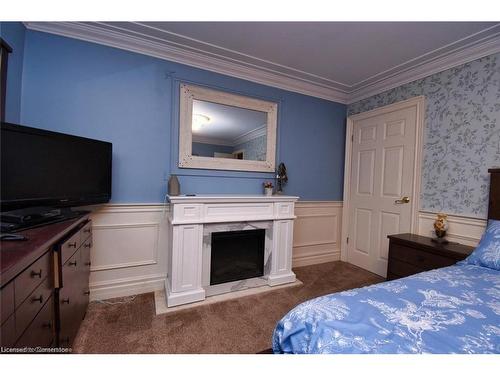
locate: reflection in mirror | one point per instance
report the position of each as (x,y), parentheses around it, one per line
(224,131)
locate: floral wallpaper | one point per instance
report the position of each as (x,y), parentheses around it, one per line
(461,135)
(255,149)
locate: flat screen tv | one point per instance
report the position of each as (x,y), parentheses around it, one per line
(45,168)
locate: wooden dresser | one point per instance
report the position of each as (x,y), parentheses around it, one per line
(410,254)
(44,285)
(72,259)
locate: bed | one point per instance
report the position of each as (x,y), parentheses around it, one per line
(448,310)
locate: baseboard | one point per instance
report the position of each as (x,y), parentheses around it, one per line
(310,259)
(126,287)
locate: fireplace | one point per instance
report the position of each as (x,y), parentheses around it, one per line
(227,243)
(237,255)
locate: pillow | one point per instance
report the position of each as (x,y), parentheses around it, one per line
(487,253)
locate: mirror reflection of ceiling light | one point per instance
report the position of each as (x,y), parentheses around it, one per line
(199,121)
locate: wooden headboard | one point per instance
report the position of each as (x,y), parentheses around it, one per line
(494,205)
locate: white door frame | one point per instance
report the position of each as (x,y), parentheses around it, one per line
(419,103)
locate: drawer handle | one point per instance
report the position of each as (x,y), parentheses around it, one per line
(47,325)
(88,264)
(72,244)
(39,299)
(65,300)
(88,245)
(72,263)
(35,274)
(87,293)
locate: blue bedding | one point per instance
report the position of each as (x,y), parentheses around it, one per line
(450,310)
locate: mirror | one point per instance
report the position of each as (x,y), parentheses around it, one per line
(219,130)
(223,131)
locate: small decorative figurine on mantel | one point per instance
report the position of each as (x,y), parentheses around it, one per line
(268,188)
(440,228)
(282,178)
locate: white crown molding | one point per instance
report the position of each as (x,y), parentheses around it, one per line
(217,64)
(211,141)
(465,55)
(473,47)
(252,134)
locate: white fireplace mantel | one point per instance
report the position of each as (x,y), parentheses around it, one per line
(190,215)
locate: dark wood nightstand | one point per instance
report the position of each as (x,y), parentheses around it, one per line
(410,254)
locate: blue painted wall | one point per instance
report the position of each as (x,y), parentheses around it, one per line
(132,100)
(13,33)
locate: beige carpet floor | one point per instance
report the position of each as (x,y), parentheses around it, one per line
(243,325)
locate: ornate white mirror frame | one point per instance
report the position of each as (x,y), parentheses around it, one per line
(188,93)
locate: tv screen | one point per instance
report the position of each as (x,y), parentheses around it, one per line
(44,168)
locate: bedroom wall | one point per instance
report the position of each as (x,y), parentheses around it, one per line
(461,136)
(14,33)
(131,100)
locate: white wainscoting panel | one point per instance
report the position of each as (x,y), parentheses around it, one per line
(465,230)
(129,250)
(129,254)
(317,232)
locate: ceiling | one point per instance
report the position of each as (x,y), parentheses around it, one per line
(340,61)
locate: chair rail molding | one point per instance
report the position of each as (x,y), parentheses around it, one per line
(180,49)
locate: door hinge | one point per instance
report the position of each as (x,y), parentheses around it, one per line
(352,138)
(347,239)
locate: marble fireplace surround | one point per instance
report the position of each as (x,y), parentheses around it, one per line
(191,221)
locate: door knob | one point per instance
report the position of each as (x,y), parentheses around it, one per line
(402,200)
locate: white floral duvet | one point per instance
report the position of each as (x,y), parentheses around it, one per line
(450,310)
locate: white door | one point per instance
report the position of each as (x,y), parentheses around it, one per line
(382,173)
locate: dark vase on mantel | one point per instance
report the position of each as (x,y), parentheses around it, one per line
(174,187)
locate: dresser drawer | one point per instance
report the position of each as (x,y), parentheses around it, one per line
(31,277)
(418,258)
(7,302)
(69,316)
(84,274)
(41,330)
(69,247)
(32,305)
(8,329)
(86,232)
(398,269)
(70,271)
